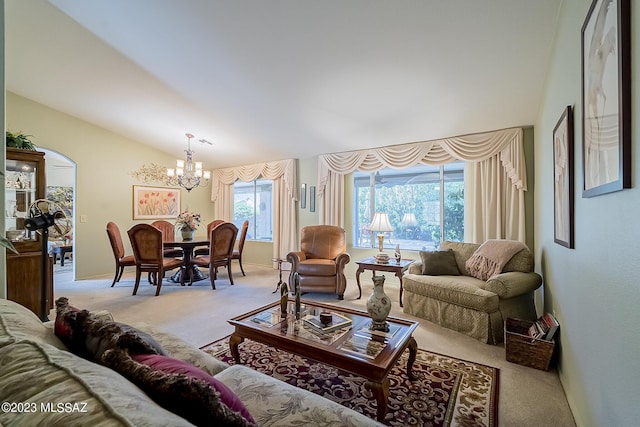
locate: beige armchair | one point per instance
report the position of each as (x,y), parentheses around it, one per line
(321,260)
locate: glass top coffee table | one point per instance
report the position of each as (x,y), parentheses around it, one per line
(354,348)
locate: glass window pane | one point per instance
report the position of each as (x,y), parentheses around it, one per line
(413,199)
(253,201)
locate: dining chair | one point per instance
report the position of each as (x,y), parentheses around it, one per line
(210,226)
(146,241)
(122,260)
(168,235)
(237,253)
(221,241)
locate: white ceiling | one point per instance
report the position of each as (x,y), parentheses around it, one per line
(275,79)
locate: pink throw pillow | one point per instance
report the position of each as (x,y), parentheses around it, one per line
(170,365)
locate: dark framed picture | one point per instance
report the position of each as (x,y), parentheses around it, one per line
(563,179)
(303,196)
(312,198)
(606,97)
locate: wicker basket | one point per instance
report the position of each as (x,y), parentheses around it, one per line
(524,350)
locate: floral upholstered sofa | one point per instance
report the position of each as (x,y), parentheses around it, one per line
(46,384)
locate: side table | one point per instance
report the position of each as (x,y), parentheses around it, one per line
(398,268)
(61,251)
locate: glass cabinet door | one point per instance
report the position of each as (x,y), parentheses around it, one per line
(22,188)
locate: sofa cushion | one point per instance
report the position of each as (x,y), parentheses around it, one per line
(317,267)
(180,349)
(169,365)
(438,263)
(89,336)
(491,257)
(39,373)
(464,291)
(462,252)
(190,398)
(18,323)
(275,403)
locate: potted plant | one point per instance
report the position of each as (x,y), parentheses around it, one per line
(19,140)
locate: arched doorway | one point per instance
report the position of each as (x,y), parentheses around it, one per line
(60,173)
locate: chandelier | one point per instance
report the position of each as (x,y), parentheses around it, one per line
(189,174)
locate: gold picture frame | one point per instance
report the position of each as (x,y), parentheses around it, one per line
(155,202)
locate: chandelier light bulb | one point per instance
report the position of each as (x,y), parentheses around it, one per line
(188,174)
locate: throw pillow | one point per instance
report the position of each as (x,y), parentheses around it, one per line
(191,398)
(439,263)
(169,365)
(89,336)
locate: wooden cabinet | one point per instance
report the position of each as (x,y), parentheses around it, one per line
(25,183)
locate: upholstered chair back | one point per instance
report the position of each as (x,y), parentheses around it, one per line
(222,240)
(323,241)
(146,241)
(116,240)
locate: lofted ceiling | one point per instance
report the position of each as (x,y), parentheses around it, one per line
(274,79)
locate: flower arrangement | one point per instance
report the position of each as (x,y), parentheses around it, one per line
(188,220)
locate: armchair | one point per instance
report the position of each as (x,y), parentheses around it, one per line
(321,260)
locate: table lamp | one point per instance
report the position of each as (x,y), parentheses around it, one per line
(381,225)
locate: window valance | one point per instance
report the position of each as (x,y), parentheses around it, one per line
(470,148)
(270,170)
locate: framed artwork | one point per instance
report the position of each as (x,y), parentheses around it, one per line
(563,179)
(312,198)
(303,196)
(606,97)
(155,202)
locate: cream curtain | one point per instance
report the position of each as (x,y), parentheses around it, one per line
(283,174)
(500,182)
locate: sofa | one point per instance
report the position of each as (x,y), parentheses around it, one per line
(448,294)
(46,384)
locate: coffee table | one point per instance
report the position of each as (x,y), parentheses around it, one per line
(369,354)
(398,268)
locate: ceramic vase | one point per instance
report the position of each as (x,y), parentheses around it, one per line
(398,254)
(187,233)
(378,306)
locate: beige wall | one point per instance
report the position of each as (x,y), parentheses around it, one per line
(103,184)
(593,289)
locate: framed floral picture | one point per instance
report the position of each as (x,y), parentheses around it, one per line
(155,202)
(563,179)
(606,97)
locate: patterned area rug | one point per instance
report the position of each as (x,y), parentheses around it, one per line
(448,392)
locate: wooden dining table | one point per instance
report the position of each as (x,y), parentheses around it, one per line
(187,270)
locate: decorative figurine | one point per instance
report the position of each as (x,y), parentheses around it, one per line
(284,298)
(398,254)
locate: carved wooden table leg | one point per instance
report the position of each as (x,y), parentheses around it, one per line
(234,341)
(360,270)
(413,351)
(381,393)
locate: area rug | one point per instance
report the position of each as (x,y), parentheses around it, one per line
(448,392)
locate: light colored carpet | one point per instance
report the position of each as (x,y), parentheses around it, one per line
(198,314)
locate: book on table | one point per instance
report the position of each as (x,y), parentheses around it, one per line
(338,321)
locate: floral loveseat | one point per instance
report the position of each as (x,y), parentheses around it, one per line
(46,384)
(442,290)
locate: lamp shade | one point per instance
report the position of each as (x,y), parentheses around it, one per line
(380,223)
(409,220)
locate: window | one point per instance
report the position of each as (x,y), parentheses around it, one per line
(425,205)
(252,201)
